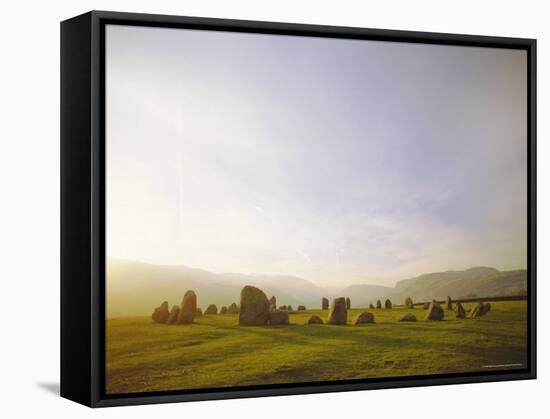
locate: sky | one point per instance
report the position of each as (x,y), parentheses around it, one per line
(338,161)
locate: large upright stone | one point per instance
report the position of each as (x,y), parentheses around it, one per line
(435,312)
(348,303)
(378,304)
(409,303)
(254,307)
(448,303)
(338,314)
(211,309)
(161,313)
(273,303)
(324,303)
(173,317)
(289,308)
(388,304)
(188,308)
(459,311)
(223,310)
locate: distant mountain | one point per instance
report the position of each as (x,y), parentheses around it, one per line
(135,288)
(363,295)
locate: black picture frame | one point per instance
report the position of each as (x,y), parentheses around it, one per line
(83,206)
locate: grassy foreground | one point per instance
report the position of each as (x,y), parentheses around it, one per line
(216,352)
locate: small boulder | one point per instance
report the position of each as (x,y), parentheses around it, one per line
(233,309)
(324,303)
(338,314)
(223,310)
(459,311)
(348,303)
(211,309)
(254,307)
(315,320)
(378,304)
(448,303)
(409,317)
(435,312)
(364,318)
(278,317)
(409,303)
(161,313)
(388,304)
(173,317)
(371,306)
(188,308)
(301,308)
(273,303)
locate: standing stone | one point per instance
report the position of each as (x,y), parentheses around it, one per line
(254,307)
(378,304)
(188,308)
(435,312)
(161,313)
(173,317)
(388,304)
(211,309)
(348,303)
(315,320)
(301,308)
(282,308)
(426,305)
(409,317)
(364,318)
(199,312)
(481,309)
(371,306)
(233,309)
(223,310)
(278,317)
(289,308)
(324,303)
(459,311)
(448,303)
(338,314)
(273,303)
(409,303)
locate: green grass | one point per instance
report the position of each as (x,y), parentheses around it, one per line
(216,352)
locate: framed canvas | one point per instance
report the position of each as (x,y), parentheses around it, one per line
(255,209)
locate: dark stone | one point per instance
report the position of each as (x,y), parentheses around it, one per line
(459,311)
(188,308)
(161,313)
(378,304)
(315,320)
(173,317)
(211,309)
(324,303)
(338,314)
(388,304)
(348,303)
(409,317)
(364,318)
(254,307)
(301,308)
(448,303)
(409,303)
(233,309)
(435,312)
(278,317)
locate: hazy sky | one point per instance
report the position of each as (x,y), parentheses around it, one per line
(340,161)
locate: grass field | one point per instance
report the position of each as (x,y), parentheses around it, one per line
(216,352)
